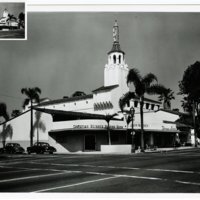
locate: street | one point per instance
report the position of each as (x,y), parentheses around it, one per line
(167,172)
(12,34)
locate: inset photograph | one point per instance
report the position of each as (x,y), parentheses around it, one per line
(12,21)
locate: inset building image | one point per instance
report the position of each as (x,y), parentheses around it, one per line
(12,21)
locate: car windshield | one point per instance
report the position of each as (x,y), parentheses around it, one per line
(12,145)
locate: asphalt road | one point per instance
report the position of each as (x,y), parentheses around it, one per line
(172,172)
(12,34)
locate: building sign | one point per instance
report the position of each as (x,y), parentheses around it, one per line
(139,125)
(92,126)
(114,125)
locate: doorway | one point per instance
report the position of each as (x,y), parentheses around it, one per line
(90,142)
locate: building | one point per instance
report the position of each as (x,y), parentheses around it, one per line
(8,21)
(81,123)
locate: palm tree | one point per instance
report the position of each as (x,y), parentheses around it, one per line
(7,130)
(32,95)
(15,113)
(3,111)
(123,101)
(166,97)
(143,85)
(38,124)
(10,18)
(107,118)
(78,94)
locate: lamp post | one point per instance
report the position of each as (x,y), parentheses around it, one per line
(132,112)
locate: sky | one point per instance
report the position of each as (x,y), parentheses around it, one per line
(66,52)
(12,8)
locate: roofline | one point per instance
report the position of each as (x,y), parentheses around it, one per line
(110,87)
(172,112)
(64,100)
(15,117)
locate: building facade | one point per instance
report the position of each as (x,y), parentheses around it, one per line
(94,122)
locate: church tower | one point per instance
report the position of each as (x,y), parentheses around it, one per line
(5,13)
(116,70)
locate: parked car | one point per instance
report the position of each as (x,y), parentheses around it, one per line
(41,147)
(12,148)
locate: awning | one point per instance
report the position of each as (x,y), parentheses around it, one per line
(61,115)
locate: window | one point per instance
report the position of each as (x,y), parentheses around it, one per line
(119,59)
(114,59)
(136,104)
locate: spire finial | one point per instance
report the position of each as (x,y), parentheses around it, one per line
(116,32)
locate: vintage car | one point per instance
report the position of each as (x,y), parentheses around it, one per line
(41,147)
(12,148)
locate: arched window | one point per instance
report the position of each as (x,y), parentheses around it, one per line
(114,59)
(119,59)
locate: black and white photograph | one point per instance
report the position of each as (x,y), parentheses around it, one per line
(12,20)
(100,102)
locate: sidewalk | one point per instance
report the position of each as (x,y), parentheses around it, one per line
(158,150)
(161,150)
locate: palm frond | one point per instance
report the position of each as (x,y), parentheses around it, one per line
(3,111)
(156,89)
(148,79)
(24,91)
(134,77)
(26,102)
(125,99)
(37,90)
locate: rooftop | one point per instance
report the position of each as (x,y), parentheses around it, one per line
(116,48)
(64,100)
(103,88)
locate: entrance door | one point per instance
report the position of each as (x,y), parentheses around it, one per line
(90,141)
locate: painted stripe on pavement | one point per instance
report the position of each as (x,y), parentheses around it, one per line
(188,183)
(31,177)
(172,170)
(116,167)
(76,184)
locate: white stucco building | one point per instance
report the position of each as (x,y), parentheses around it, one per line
(79,124)
(6,22)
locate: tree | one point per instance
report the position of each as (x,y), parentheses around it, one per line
(32,95)
(107,118)
(166,96)
(21,18)
(3,111)
(78,94)
(10,18)
(38,124)
(15,113)
(143,85)
(123,101)
(189,86)
(7,130)
(186,104)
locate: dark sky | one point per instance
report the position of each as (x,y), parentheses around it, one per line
(66,52)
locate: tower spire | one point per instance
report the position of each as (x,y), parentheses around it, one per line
(116,45)
(116,32)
